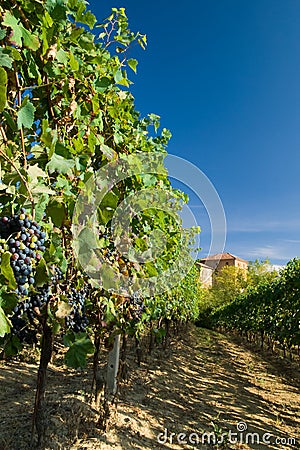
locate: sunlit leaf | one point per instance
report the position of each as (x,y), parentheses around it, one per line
(26,115)
(132,64)
(4,323)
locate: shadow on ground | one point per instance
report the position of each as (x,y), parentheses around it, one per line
(208,383)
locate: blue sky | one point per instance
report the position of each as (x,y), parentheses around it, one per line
(224,77)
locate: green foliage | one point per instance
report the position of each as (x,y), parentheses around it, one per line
(180,303)
(7,271)
(4,324)
(80,346)
(260,272)
(227,284)
(271,308)
(26,114)
(66,111)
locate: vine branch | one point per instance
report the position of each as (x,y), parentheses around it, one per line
(21,130)
(12,163)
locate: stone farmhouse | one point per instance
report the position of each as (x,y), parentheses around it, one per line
(220,260)
(216,262)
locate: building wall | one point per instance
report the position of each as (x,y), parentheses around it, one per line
(206,275)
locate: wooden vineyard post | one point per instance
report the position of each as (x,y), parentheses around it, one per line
(112,369)
(106,379)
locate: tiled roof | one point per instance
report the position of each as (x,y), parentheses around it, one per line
(220,256)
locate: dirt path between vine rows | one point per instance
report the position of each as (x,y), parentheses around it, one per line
(205,383)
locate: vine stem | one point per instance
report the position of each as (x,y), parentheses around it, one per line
(21,129)
(25,88)
(39,415)
(11,162)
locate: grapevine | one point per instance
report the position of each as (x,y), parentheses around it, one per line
(66,110)
(269,310)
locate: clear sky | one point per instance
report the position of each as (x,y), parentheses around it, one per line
(225,78)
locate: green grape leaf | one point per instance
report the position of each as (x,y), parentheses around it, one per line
(12,125)
(41,188)
(76,34)
(65,185)
(41,273)
(7,271)
(110,201)
(4,323)
(118,76)
(10,21)
(132,63)
(87,240)
(56,210)
(110,313)
(14,53)
(148,179)
(30,40)
(3,86)
(151,269)
(58,13)
(47,20)
(40,206)
(13,346)
(88,19)
(105,216)
(60,164)
(62,56)
(5,59)
(8,301)
(26,114)
(35,172)
(80,346)
(108,275)
(102,84)
(74,64)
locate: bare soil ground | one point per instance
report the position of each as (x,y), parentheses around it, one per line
(205,382)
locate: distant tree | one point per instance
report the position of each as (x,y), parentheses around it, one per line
(227,284)
(260,272)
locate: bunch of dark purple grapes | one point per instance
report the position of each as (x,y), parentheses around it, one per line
(25,240)
(137,307)
(23,332)
(32,307)
(77,320)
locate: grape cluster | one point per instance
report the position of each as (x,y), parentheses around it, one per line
(36,300)
(77,320)
(32,307)
(25,240)
(22,331)
(136,307)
